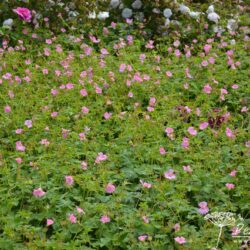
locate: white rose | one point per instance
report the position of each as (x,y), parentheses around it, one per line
(156,11)
(167,13)
(232,42)
(114,3)
(92,15)
(139,16)
(213,17)
(103,15)
(167,22)
(232,25)
(137,4)
(73,14)
(72,6)
(8,23)
(194,14)
(175,22)
(127,13)
(210,9)
(184,9)
(218,29)
(51,3)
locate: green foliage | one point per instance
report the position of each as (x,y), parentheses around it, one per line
(130,140)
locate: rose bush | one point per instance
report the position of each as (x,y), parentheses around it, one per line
(161,17)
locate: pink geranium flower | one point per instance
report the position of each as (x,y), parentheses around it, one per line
(207,89)
(84,165)
(110,188)
(122,67)
(104,51)
(54,91)
(203,125)
(83,92)
(204,63)
(162,151)
(142,237)
(229,133)
(38,192)
(45,142)
(85,110)
(130,94)
(7,109)
(207,48)
(80,210)
(19,160)
(176,227)
(185,142)
(19,131)
(69,85)
(170,174)
(65,132)
(54,114)
(145,184)
(104,219)
(192,131)
(170,133)
(100,157)
(180,240)
(145,219)
(28,123)
(230,186)
(235,231)
(72,218)
(233,173)
(69,180)
(203,208)
(20,146)
(152,101)
(187,169)
(107,115)
(23,13)
(169,74)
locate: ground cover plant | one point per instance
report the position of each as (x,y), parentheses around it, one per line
(112,141)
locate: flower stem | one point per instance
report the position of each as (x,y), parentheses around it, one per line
(219,237)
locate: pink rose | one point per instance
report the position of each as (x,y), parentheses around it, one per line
(23,13)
